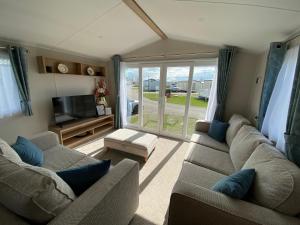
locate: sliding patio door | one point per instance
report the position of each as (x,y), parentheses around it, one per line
(168,98)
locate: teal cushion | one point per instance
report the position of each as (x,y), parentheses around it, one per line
(236,185)
(81,178)
(28,152)
(217,130)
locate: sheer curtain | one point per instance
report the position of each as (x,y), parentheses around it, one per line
(212,102)
(274,124)
(9,94)
(123,94)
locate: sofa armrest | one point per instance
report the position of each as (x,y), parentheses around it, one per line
(202,126)
(194,205)
(45,140)
(112,200)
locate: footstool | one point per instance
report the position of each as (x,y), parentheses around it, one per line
(131,141)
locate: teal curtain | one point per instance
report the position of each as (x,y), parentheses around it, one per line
(292,135)
(18,59)
(224,66)
(117,70)
(274,62)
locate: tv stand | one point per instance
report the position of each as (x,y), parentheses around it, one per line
(94,127)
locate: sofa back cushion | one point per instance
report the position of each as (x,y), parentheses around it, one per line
(8,152)
(235,123)
(35,193)
(244,144)
(277,181)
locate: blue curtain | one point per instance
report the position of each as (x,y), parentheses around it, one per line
(292,135)
(274,63)
(117,70)
(224,66)
(18,59)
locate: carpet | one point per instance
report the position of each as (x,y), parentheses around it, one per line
(157,176)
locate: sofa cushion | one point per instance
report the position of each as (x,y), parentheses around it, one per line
(277,181)
(204,139)
(244,144)
(235,123)
(209,158)
(82,177)
(35,193)
(8,152)
(28,152)
(60,158)
(198,175)
(217,130)
(237,185)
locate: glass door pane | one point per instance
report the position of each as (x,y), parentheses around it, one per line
(201,86)
(176,90)
(133,86)
(151,97)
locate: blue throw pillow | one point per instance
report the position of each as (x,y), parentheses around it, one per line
(28,152)
(81,178)
(217,130)
(236,185)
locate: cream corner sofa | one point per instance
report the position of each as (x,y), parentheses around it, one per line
(273,199)
(112,200)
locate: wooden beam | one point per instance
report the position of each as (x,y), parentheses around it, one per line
(132,4)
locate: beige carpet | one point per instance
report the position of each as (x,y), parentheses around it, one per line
(157,176)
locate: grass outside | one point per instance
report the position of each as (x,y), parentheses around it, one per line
(177,99)
(172,124)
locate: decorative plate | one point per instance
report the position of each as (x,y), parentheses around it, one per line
(62,68)
(90,71)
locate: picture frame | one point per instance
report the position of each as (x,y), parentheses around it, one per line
(101,109)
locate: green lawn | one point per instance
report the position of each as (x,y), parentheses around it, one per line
(172,124)
(177,99)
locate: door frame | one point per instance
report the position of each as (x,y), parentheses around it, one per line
(163,65)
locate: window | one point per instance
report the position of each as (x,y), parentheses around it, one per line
(168,97)
(9,94)
(274,124)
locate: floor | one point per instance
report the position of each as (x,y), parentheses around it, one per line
(157,176)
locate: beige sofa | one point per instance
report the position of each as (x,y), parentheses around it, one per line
(273,199)
(112,200)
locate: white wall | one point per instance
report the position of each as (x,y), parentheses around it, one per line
(42,88)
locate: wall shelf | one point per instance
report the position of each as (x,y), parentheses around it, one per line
(49,65)
(69,134)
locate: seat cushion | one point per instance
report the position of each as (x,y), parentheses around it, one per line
(60,158)
(204,139)
(277,181)
(244,144)
(235,123)
(209,158)
(198,175)
(32,192)
(136,139)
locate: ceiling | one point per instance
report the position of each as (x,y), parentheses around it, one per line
(102,28)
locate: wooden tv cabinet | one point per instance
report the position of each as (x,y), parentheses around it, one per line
(69,134)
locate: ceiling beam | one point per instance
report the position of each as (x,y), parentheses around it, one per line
(132,4)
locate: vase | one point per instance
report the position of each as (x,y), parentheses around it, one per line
(102,101)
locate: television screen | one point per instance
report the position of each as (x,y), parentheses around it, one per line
(69,108)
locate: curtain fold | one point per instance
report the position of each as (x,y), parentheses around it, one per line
(224,66)
(18,59)
(212,102)
(292,135)
(117,73)
(274,124)
(275,59)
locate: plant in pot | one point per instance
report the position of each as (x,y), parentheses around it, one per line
(101,92)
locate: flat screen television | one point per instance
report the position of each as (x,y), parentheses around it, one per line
(68,108)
